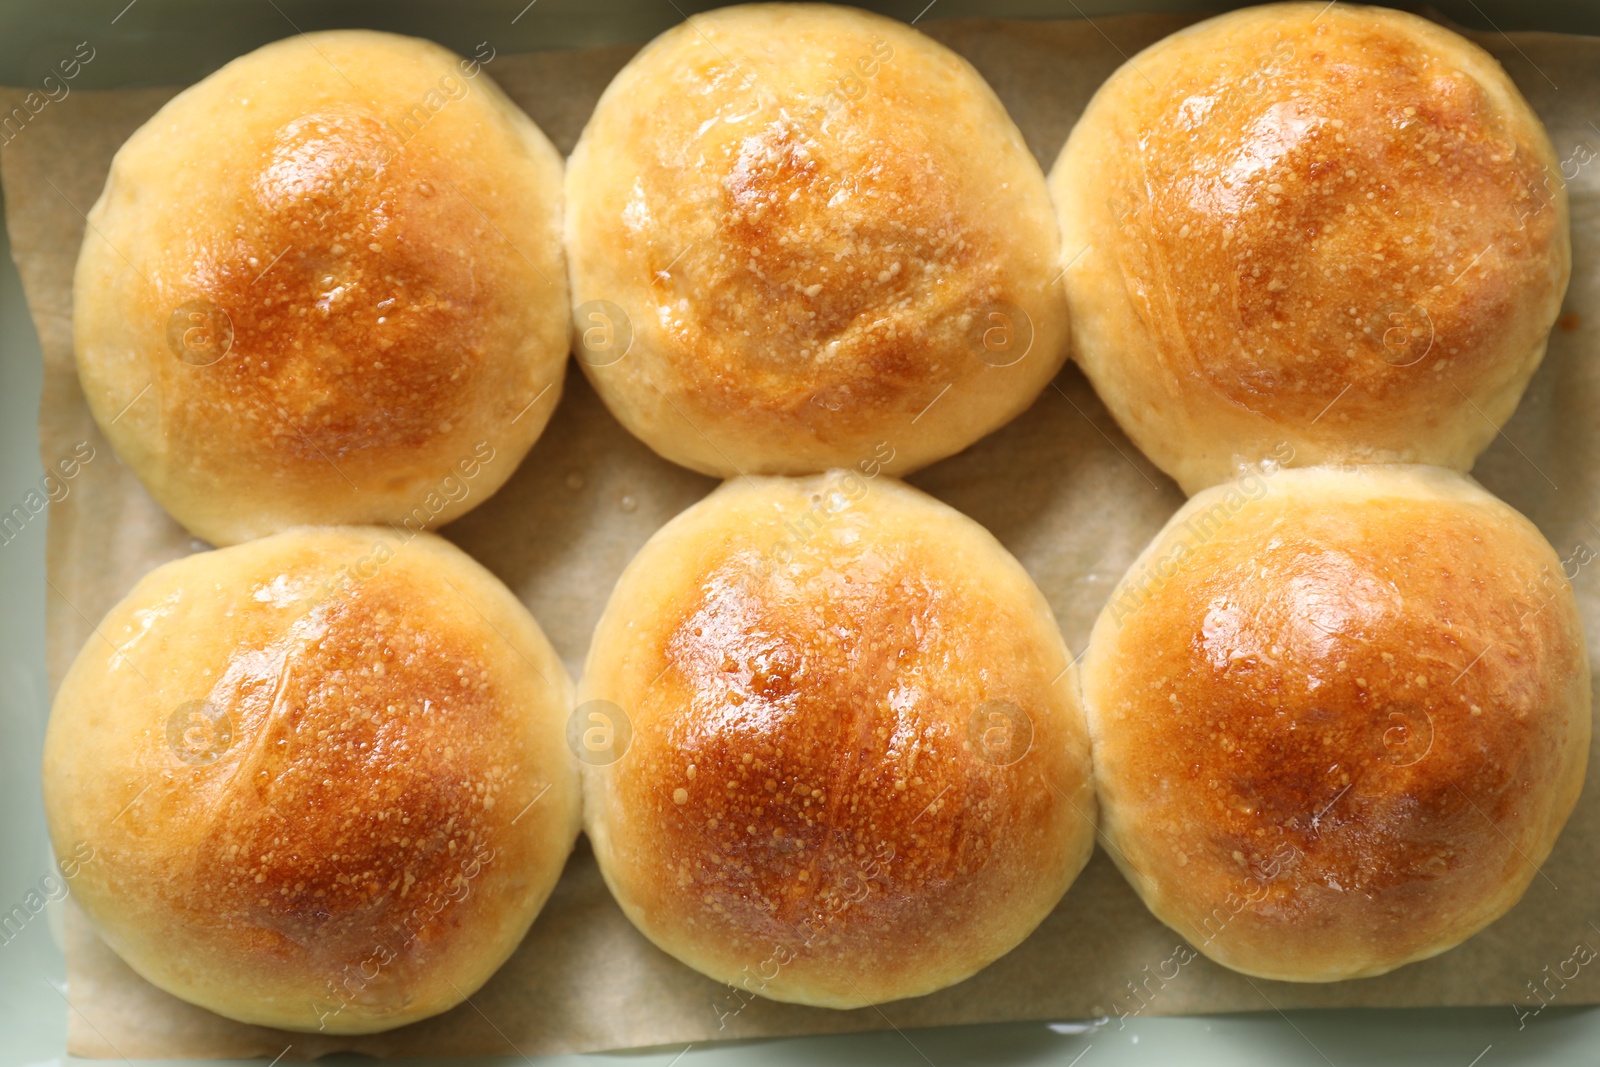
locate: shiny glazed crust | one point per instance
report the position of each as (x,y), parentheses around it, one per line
(322,777)
(858,770)
(1340,228)
(814,222)
(321,280)
(1339,715)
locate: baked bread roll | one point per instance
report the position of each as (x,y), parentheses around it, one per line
(793,228)
(323,775)
(1339,718)
(857,769)
(326,285)
(1332,226)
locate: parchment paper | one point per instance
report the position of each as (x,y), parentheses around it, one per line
(1061,487)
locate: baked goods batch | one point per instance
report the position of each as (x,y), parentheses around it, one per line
(829,745)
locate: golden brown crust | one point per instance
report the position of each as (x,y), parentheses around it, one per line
(315,801)
(787,202)
(365,334)
(808,809)
(1289,207)
(1338,716)
(331,311)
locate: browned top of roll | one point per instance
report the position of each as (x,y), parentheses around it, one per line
(1361,703)
(367,329)
(810,774)
(392,755)
(796,767)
